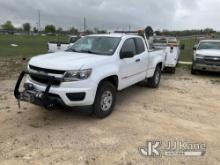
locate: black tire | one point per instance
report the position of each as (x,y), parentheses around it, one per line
(193,71)
(98,109)
(154,81)
(173,70)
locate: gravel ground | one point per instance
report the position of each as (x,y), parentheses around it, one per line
(185,108)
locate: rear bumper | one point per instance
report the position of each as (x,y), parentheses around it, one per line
(49,95)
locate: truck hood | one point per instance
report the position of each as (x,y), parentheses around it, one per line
(212,53)
(66,60)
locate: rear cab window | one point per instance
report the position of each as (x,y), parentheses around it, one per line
(129,46)
(140,48)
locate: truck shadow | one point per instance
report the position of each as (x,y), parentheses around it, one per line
(60,115)
(209,74)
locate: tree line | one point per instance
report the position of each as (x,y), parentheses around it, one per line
(48,29)
(51,30)
(206,31)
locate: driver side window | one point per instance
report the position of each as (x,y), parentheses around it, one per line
(129,46)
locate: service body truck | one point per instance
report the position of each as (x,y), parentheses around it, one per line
(172,48)
(91,72)
(61,46)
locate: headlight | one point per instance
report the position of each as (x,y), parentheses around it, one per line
(77,75)
(199,56)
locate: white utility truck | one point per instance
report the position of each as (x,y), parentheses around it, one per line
(91,72)
(206,56)
(172,47)
(61,46)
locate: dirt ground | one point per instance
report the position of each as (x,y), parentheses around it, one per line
(185,108)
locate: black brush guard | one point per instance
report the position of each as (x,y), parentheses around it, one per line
(34,96)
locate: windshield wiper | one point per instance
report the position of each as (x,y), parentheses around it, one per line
(89,51)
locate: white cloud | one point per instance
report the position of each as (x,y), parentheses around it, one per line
(115,14)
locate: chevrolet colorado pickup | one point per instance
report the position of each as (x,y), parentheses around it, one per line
(91,72)
(206,56)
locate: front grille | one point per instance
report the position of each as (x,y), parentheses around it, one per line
(207,60)
(44,80)
(46,70)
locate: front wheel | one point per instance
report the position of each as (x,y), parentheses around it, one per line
(105,100)
(154,81)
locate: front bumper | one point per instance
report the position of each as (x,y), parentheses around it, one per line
(48,95)
(204,67)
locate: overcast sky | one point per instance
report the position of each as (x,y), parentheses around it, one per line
(115,14)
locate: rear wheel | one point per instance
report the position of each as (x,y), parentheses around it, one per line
(105,100)
(193,71)
(154,81)
(173,70)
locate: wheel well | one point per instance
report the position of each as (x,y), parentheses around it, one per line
(113,79)
(160,65)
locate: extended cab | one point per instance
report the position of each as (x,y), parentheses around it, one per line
(206,56)
(61,46)
(91,72)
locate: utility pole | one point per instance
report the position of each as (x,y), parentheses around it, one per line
(84,24)
(39,21)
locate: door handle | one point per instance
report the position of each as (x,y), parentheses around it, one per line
(138,60)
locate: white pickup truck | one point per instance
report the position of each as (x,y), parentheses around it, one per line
(61,46)
(91,72)
(172,48)
(206,56)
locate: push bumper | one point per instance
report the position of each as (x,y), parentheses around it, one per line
(49,95)
(34,96)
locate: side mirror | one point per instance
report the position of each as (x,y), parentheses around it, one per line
(182,47)
(127,54)
(195,47)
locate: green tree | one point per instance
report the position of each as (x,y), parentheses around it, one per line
(50,29)
(35,30)
(87,32)
(74,31)
(97,31)
(59,30)
(8,26)
(27,27)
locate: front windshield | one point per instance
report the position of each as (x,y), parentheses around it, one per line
(74,39)
(101,45)
(209,45)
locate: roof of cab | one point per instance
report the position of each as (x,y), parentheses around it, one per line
(115,35)
(210,41)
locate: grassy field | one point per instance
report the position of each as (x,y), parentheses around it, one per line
(33,45)
(27,45)
(186,54)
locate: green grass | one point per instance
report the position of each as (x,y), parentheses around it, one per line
(186,54)
(34,45)
(27,45)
